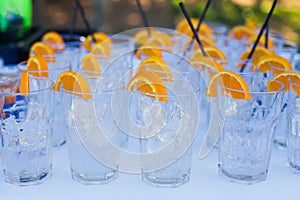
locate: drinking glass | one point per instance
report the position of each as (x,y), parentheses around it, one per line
(247,134)
(58,126)
(72,51)
(167,130)
(293,142)
(86,119)
(26,130)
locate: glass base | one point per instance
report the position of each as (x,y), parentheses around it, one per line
(28,179)
(244,179)
(94,180)
(294,168)
(165,181)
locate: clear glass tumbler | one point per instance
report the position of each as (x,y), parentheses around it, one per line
(26,131)
(167,130)
(87,120)
(58,126)
(247,134)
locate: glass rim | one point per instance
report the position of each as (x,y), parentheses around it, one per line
(24,63)
(11,93)
(220,85)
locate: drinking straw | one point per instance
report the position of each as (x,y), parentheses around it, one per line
(188,18)
(144,17)
(260,34)
(200,21)
(84,18)
(73,22)
(202,16)
(267,37)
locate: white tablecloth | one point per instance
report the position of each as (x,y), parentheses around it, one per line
(204,184)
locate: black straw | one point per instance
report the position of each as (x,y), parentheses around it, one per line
(260,34)
(144,17)
(188,18)
(84,18)
(200,21)
(73,22)
(267,37)
(202,16)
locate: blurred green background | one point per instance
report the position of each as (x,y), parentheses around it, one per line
(285,18)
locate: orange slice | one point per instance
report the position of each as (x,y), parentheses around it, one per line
(24,83)
(284,78)
(275,63)
(261,42)
(90,64)
(250,24)
(142,36)
(206,41)
(158,66)
(37,66)
(55,40)
(42,49)
(102,48)
(230,80)
(213,52)
(75,82)
(258,53)
(99,37)
(241,32)
(160,39)
(149,83)
(184,27)
(200,59)
(149,50)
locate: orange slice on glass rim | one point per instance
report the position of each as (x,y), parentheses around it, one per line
(184,27)
(149,50)
(99,37)
(102,48)
(241,32)
(229,79)
(284,78)
(201,60)
(258,53)
(261,42)
(160,39)
(24,83)
(90,65)
(37,66)
(212,51)
(42,49)
(75,82)
(157,65)
(150,84)
(275,63)
(55,40)
(142,36)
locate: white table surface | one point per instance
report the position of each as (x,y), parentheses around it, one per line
(204,184)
